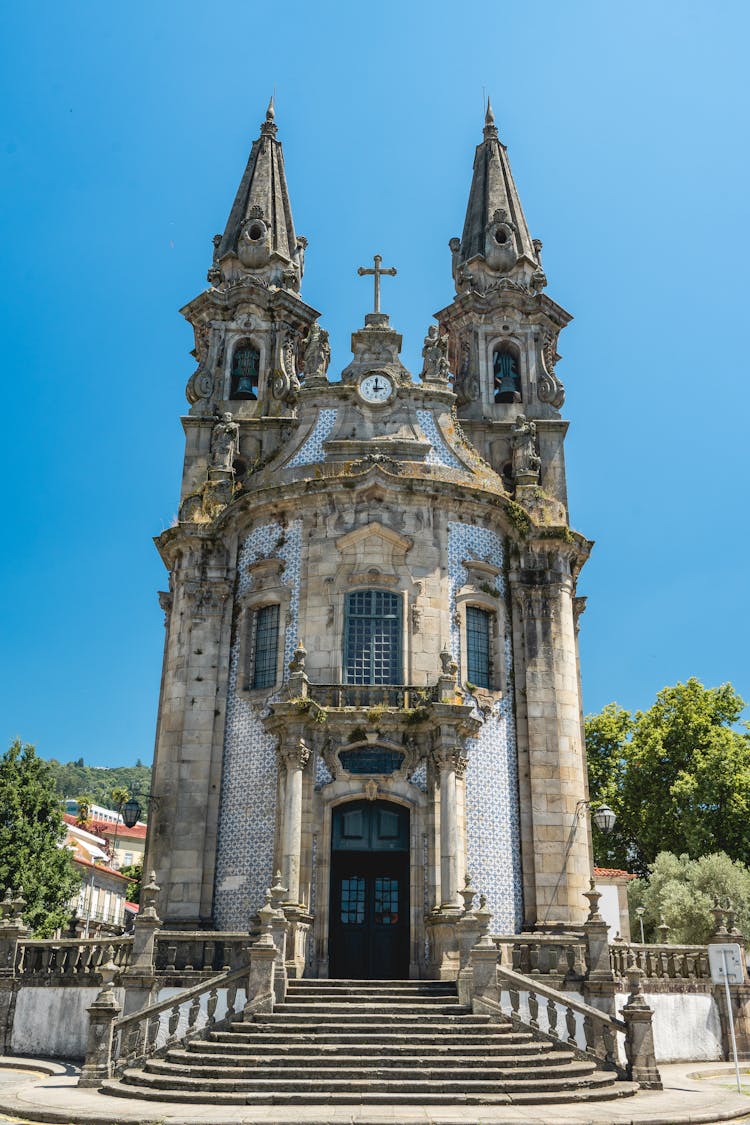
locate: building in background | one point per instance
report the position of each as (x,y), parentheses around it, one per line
(100,903)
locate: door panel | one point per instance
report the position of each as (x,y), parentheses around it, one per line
(369,920)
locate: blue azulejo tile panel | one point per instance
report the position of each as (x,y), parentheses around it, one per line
(247,818)
(312,450)
(492,807)
(440,454)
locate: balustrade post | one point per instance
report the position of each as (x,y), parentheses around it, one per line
(12,930)
(263,954)
(102,1015)
(639,1033)
(469,931)
(139,976)
(483,963)
(599,981)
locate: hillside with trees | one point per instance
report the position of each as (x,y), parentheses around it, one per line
(76,779)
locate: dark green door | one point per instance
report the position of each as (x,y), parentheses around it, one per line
(369,937)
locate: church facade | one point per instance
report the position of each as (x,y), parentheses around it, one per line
(371,678)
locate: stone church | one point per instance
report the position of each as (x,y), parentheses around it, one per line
(371,677)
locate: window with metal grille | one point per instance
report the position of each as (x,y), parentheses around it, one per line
(372,638)
(245,363)
(265,646)
(478,646)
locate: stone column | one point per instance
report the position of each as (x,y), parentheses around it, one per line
(451,765)
(550,744)
(295,758)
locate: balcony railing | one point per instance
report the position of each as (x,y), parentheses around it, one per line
(372,695)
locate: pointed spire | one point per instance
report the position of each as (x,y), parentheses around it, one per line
(495,229)
(260,237)
(490,129)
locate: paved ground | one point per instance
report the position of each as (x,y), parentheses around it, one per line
(41,1091)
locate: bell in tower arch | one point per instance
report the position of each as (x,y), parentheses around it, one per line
(245,364)
(507,376)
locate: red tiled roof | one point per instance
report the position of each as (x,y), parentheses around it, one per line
(613,873)
(100,867)
(132,906)
(106,828)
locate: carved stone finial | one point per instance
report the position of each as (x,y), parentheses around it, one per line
(278,892)
(468,894)
(663,929)
(718,913)
(593,896)
(271,111)
(297,663)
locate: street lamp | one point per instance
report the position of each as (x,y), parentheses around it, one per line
(131,810)
(604,819)
(640,911)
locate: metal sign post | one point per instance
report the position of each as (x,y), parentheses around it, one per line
(726,965)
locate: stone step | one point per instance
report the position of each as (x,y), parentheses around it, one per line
(427,1007)
(353,1018)
(492,1070)
(365,985)
(418,1082)
(314,1050)
(306,1037)
(121,1089)
(339,1000)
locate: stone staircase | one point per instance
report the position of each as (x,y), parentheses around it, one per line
(369,1042)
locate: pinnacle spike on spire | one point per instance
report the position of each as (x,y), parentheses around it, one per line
(260,235)
(495,231)
(490,128)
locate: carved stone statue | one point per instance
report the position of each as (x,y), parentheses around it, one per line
(317,355)
(526,461)
(435,355)
(225,440)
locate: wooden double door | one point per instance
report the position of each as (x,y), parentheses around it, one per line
(369,930)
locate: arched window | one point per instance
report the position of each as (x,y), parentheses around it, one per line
(245,365)
(372,638)
(507,376)
(478,626)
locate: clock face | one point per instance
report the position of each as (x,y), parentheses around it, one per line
(376,388)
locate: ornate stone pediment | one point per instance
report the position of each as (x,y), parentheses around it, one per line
(374,547)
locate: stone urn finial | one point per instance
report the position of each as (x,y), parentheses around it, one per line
(593,896)
(663,929)
(278,892)
(266,914)
(468,894)
(297,663)
(718,913)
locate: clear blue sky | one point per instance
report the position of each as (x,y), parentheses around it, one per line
(125,131)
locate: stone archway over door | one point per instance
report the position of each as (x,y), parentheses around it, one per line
(369,930)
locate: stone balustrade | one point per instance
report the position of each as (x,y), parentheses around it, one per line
(559,956)
(563,1018)
(372,695)
(661,962)
(201,951)
(70,957)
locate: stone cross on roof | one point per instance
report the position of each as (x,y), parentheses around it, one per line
(377,273)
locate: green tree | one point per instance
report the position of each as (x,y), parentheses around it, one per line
(118,796)
(681,891)
(83,816)
(134,872)
(677,776)
(32,832)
